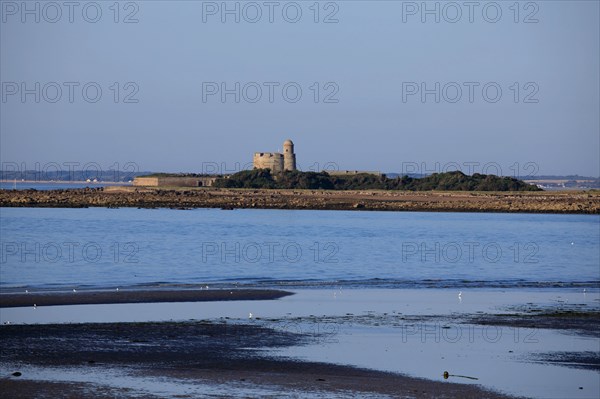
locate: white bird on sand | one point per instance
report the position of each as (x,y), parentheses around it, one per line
(460,294)
(26,291)
(34,306)
(117,288)
(74,290)
(249,315)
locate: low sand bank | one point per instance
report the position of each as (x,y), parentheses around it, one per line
(134,296)
(531,202)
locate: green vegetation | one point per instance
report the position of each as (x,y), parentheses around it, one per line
(256,178)
(450,181)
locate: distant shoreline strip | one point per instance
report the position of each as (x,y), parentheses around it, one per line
(355,200)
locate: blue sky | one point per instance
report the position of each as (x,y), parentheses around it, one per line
(361,80)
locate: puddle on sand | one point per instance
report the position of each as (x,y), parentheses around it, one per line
(487,353)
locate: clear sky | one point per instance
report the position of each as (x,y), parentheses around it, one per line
(492,87)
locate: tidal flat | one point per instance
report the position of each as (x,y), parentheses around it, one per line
(315,343)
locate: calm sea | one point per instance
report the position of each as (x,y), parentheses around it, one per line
(97,247)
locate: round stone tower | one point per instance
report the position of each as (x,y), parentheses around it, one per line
(289,158)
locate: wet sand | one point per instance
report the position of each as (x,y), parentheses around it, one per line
(380,200)
(585,323)
(10,300)
(193,351)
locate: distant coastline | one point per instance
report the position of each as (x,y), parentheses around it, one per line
(116,183)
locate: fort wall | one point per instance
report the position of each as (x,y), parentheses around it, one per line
(175,181)
(276,161)
(268,160)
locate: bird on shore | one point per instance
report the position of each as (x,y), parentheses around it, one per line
(34,306)
(74,290)
(250,315)
(26,291)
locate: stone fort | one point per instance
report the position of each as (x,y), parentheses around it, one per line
(276,161)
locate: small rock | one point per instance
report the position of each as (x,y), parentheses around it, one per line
(17,374)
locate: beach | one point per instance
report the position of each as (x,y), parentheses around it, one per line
(314,343)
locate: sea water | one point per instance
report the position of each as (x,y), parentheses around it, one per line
(100,247)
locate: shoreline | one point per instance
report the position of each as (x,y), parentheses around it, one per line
(104,297)
(117,183)
(359,200)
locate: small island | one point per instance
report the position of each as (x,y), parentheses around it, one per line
(276,183)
